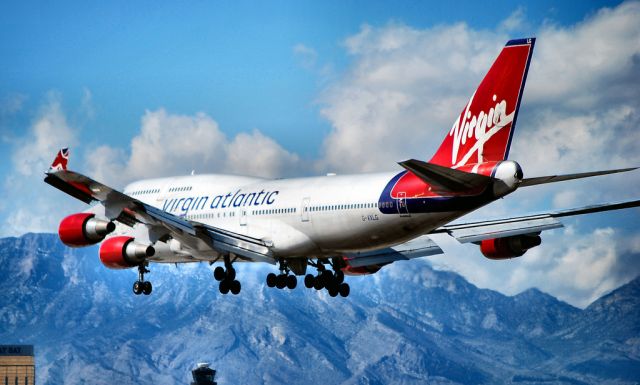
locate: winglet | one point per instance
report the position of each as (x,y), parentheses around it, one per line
(60,162)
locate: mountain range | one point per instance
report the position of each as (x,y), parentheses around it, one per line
(407,324)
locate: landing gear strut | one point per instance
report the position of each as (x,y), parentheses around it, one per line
(284,279)
(227,277)
(326,279)
(141,286)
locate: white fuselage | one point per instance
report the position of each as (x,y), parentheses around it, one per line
(300,217)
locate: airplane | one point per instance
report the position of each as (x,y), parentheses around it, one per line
(336,224)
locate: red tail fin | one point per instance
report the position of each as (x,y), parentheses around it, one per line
(484,129)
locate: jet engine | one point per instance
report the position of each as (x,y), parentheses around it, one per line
(124,252)
(509,247)
(362,270)
(83,229)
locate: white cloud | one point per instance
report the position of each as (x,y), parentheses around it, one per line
(515,21)
(172,144)
(48,133)
(24,191)
(307,56)
(167,144)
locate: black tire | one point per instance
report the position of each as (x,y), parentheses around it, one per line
(292,282)
(344,289)
(339,276)
(327,278)
(231,274)
(271,280)
(281,281)
(137,287)
(235,287)
(309,281)
(318,285)
(147,288)
(224,286)
(219,273)
(333,291)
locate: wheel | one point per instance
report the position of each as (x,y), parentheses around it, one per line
(326,277)
(235,287)
(137,288)
(224,286)
(292,282)
(309,281)
(147,288)
(318,285)
(281,281)
(333,291)
(271,280)
(339,276)
(231,274)
(344,289)
(219,273)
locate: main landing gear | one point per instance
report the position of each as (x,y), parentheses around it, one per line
(141,286)
(333,281)
(227,277)
(326,279)
(282,280)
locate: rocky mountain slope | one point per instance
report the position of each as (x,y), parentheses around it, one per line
(408,324)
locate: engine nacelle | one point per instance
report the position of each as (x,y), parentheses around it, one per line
(509,247)
(83,229)
(123,252)
(344,265)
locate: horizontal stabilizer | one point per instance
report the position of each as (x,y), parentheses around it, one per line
(560,178)
(419,247)
(445,178)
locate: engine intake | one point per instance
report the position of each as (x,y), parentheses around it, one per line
(84,229)
(123,252)
(509,247)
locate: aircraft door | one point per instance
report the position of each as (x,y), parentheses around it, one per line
(243,216)
(403,210)
(304,212)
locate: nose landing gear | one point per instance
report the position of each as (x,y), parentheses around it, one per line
(141,286)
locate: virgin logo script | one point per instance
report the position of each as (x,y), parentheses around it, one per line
(482,126)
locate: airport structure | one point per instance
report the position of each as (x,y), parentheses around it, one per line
(17,365)
(203,375)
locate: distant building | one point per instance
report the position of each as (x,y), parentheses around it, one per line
(17,366)
(203,375)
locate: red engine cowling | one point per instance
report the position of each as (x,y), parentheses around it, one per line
(83,229)
(123,252)
(508,247)
(344,264)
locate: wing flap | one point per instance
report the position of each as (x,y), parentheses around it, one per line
(475,232)
(419,247)
(500,228)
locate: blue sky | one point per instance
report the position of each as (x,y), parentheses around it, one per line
(295,88)
(232,60)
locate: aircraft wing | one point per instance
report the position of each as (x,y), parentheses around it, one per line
(532,224)
(418,247)
(128,210)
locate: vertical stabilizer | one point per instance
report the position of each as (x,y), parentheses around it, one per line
(483,131)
